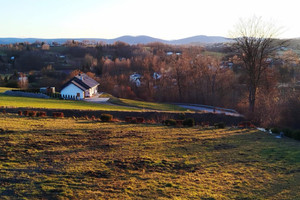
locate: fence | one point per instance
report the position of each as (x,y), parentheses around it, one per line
(37,94)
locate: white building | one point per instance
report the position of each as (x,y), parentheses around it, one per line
(136,78)
(80,87)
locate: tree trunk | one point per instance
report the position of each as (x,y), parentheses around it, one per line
(252,95)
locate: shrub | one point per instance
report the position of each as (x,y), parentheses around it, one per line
(287,132)
(128,119)
(205,124)
(220,125)
(4,111)
(32,113)
(189,122)
(133,120)
(170,122)
(275,130)
(41,114)
(181,116)
(26,112)
(179,122)
(106,117)
(93,118)
(246,124)
(140,120)
(296,134)
(20,113)
(58,114)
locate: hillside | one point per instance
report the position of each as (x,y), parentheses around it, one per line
(127,39)
(81,159)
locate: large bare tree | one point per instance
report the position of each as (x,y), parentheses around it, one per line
(255,44)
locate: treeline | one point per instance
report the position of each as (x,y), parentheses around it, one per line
(163,73)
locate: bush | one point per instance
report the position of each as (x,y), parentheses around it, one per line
(170,122)
(41,114)
(205,124)
(32,113)
(4,111)
(275,130)
(287,132)
(128,119)
(26,112)
(179,122)
(189,122)
(181,116)
(296,134)
(93,118)
(133,120)
(106,117)
(220,125)
(20,113)
(140,120)
(58,114)
(246,124)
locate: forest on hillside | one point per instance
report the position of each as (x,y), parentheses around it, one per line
(211,75)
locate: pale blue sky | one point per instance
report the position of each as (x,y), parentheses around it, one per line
(166,19)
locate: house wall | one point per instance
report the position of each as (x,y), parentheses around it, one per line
(71,89)
(90,92)
(94,90)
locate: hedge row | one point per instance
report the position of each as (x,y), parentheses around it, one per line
(32,113)
(295,134)
(186,122)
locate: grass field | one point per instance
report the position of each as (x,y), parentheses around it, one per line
(121,104)
(26,102)
(3,89)
(46,158)
(143,104)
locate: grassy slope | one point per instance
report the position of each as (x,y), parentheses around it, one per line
(143,104)
(3,89)
(10,101)
(80,159)
(122,104)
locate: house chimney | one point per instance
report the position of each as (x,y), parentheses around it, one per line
(80,77)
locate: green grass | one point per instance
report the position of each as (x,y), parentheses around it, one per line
(121,104)
(143,104)
(46,158)
(4,89)
(26,102)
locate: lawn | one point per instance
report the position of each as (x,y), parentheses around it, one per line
(4,89)
(26,102)
(143,104)
(120,104)
(47,158)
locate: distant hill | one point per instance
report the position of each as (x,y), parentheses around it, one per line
(200,39)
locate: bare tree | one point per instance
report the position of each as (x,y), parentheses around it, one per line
(255,44)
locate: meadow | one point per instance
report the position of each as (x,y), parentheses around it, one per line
(121,104)
(74,158)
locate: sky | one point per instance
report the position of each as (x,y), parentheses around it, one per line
(164,19)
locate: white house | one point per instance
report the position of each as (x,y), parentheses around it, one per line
(136,78)
(80,87)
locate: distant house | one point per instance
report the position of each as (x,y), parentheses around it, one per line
(80,87)
(135,78)
(156,76)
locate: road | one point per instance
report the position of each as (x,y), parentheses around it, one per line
(210,109)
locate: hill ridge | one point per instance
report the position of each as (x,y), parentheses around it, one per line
(132,40)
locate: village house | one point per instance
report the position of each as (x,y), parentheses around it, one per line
(80,87)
